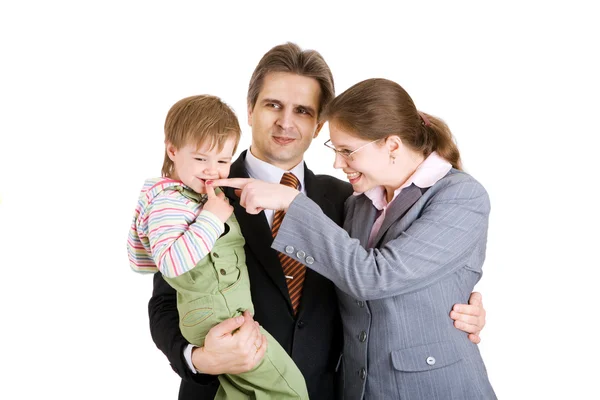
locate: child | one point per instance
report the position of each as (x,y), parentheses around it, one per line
(187,231)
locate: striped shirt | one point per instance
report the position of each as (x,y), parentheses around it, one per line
(170,231)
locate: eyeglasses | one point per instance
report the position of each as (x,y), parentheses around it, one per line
(347,154)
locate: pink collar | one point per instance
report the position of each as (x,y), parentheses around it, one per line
(431,170)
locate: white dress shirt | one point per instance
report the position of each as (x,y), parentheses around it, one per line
(264,171)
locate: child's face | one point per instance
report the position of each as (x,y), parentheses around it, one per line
(193,166)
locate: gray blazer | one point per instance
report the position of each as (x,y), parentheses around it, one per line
(399,341)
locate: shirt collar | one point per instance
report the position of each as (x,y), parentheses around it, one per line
(264,171)
(431,170)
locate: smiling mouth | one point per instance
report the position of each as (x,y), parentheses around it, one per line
(203,180)
(354,177)
(283,140)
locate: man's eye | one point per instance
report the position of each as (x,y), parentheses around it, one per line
(223,162)
(302,111)
(201,159)
(345,152)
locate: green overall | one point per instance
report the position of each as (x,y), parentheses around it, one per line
(218,288)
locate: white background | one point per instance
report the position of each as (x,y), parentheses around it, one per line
(85,87)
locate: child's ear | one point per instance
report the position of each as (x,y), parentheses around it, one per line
(171,150)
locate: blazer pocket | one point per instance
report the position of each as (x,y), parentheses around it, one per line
(426,358)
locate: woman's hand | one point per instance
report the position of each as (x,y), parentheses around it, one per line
(256,195)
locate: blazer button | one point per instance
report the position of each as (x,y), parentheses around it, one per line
(431,360)
(289,249)
(309,260)
(363,374)
(223,272)
(362,337)
(361,303)
(300,254)
(215,255)
(301,324)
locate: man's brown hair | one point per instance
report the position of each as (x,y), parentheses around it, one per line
(289,57)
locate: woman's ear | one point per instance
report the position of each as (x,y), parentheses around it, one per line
(393,143)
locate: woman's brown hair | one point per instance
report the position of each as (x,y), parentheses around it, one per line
(377,108)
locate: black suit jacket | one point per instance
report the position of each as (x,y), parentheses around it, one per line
(313,338)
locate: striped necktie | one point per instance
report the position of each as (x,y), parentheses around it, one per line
(293,270)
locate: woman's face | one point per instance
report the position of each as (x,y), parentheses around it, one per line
(366,163)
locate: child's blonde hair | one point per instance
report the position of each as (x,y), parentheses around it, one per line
(196,119)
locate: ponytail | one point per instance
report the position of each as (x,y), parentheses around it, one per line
(437,137)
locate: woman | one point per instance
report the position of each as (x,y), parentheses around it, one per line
(412,245)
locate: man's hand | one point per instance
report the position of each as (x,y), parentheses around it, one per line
(256,195)
(470,318)
(217,204)
(226,352)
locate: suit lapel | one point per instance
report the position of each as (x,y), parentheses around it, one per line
(315,192)
(407,197)
(256,232)
(363,218)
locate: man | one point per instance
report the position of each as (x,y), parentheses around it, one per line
(288,90)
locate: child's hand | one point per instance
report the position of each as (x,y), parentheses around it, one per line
(217,204)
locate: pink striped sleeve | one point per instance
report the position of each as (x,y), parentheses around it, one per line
(178,239)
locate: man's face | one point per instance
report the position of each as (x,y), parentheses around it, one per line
(284,119)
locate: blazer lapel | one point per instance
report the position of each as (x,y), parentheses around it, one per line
(362,221)
(407,197)
(256,232)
